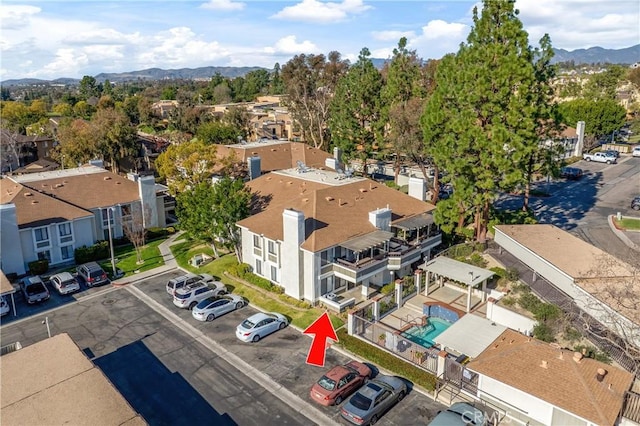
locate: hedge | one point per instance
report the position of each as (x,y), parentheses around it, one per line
(243,271)
(98,251)
(387,361)
(38,267)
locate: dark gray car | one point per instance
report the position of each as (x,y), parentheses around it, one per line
(373,399)
(34,290)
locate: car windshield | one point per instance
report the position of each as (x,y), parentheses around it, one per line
(247,324)
(96,274)
(360,401)
(67,282)
(206,302)
(35,289)
(327,383)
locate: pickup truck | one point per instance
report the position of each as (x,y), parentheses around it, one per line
(600,157)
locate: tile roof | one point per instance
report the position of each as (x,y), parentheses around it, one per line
(335,211)
(53,382)
(277,155)
(551,374)
(35,209)
(87,187)
(5,285)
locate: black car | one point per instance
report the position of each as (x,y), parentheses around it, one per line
(635,203)
(571,173)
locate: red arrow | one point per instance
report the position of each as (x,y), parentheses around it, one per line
(322,329)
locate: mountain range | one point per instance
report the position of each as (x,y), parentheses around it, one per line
(593,55)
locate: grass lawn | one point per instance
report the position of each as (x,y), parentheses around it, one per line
(628,224)
(265,300)
(126,258)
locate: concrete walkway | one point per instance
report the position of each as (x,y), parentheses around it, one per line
(169,263)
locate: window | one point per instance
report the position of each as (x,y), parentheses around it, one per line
(44,255)
(326,257)
(258,267)
(41,236)
(274,273)
(256,241)
(66,252)
(272,247)
(107,217)
(65,233)
(125,212)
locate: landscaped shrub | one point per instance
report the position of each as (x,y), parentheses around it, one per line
(388,288)
(477,260)
(512,274)
(98,251)
(38,267)
(155,233)
(244,271)
(529,302)
(543,332)
(546,312)
(387,361)
(593,353)
(500,272)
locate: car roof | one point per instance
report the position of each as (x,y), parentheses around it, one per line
(63,276)
(255,318)
(193,286)
(337,372)
(371,389)
(33,279)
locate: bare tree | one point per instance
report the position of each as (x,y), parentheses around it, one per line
(133,227)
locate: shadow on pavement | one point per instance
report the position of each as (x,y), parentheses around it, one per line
(157,394)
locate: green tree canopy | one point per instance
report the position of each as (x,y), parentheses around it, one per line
(601,117)
(218,132)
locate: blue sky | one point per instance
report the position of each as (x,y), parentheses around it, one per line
(51,39)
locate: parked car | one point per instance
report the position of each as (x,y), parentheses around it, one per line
(190,295)
(260,325)
(4,306)
(179,282)
(340,382)
(460,413)
(92,274)
(612,152)
(372,400)
(600,157)
(34,289)
(65,283)
(635,203)
(573,173)
(212,307)
(636,151)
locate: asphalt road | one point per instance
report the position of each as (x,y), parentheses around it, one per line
(171,369)
(583,206)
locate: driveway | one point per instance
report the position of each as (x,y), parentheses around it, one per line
(165,363)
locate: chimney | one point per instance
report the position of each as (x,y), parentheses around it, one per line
(600,373)
(418,188)
(254,167)
(544,364)
(580,135)
(381,218)
(577,357)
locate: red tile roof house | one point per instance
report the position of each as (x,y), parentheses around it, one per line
(320,232)
(49,215)
(538,383)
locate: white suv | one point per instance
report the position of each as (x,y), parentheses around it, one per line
(189,295)
(178,282)
(636,151)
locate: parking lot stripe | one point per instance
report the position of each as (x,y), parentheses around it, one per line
(271,386)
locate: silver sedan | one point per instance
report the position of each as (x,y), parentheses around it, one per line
(212,307)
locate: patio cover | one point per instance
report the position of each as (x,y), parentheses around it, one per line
(470,335)
(415,222)
(5,286)
(364,242)
(458,271)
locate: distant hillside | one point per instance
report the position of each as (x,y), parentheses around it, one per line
(595,55)
(182,73)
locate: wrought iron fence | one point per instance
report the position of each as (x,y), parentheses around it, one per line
(387,303)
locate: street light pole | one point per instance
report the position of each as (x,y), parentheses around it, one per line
(110,212)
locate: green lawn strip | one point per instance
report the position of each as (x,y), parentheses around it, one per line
(628,224)
(126,258)
(385,360)
(263,299)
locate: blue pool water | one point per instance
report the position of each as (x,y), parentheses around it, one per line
(424,335)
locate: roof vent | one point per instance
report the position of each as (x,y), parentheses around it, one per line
(107,178)
(34,202)
(544,364)
(329,198)
(601,372)
(577,357)
(28,194)
(305,200)
(363,189)
(58,185)
(118,183)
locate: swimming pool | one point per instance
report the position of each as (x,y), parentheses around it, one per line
(424,334)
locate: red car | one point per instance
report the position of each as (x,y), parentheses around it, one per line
(340,382)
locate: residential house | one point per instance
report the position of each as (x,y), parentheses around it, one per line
(537,383)
(48,215)
(164,108)
(318,232)
(16,150)
(601,285)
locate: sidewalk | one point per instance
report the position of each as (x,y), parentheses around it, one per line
(169,264)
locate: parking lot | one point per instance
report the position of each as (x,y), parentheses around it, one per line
(157,355)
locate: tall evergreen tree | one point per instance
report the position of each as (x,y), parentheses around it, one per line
(355,109)
(481,122)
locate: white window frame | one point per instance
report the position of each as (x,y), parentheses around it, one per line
(126,212)
(44,254)
(272,247)
(72,251)
(274,273)
(257,241)
(105,218)
(258,267)
(65,238)
(43,243)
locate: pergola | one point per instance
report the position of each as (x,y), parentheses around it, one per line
(443,267)
(6,288)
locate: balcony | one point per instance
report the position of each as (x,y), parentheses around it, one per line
(355,271)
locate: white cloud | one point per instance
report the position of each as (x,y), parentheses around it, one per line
(438,38)
(17,16)
(392,35)
(320,12)
(289,45)
(223,5)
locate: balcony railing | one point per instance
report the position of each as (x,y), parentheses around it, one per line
(356,271)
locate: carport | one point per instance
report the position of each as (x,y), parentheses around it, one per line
(442,268)
(7,289)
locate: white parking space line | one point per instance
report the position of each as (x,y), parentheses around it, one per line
(277,390)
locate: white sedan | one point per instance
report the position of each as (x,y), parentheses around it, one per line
(212,307)
(4,306)
(260,325)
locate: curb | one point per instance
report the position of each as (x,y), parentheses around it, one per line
(620,234)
